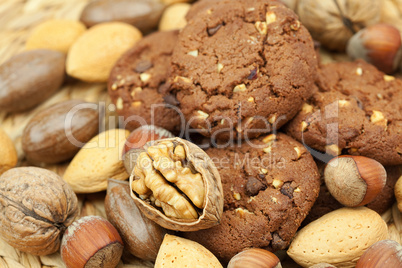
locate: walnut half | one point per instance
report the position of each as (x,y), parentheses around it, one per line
(176,184)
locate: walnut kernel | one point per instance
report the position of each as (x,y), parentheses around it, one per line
(176,184)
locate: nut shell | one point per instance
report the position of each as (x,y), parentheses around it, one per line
(327,25)
(255,258)
(29,78)
(91,242)
(137,139)
(93,54)
(9,157)
(97,161)
(55,35)
(140,136)
(354,180)
(213,202)
(143,14)
(180,252)
(385,253)
(142,237)
(36,206)
(322,265)
(46,138)
(338,238)
(379,45)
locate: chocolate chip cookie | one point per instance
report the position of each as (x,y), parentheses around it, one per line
(269,186)
(242,68)
(201,6)
(137,78)
(357,110)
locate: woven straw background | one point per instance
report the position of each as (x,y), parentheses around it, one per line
(17,18)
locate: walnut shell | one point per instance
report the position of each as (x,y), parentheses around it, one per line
(333,25)
(212,207)
(36,207)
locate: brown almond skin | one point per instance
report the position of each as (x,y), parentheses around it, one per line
(29,78)
(143,14)
(142,237)
(45,138)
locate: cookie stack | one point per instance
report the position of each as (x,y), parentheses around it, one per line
(243,73)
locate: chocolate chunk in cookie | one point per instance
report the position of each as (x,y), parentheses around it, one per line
(357,111)
(136,82)
(242,68)
(269,187)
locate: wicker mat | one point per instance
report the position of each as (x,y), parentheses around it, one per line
(17,18)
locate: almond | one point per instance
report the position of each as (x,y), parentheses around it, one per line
(55,35)
(338,238)
(97,161)
(173,18)
(180,252)
(93,55)
(8,153)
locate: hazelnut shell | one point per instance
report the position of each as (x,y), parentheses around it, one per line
(213,203)
(379,44)
(91,242)
(354,180)
(256,258)
(385,253)
(137,139)
(140,136)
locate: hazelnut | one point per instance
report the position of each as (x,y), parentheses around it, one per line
(384,253)
(256,258)
(91,242)
(137,139)
(379,45)
(140,136)
(354,180)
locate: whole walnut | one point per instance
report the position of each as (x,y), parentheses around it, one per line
(36,207)
(333,22)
